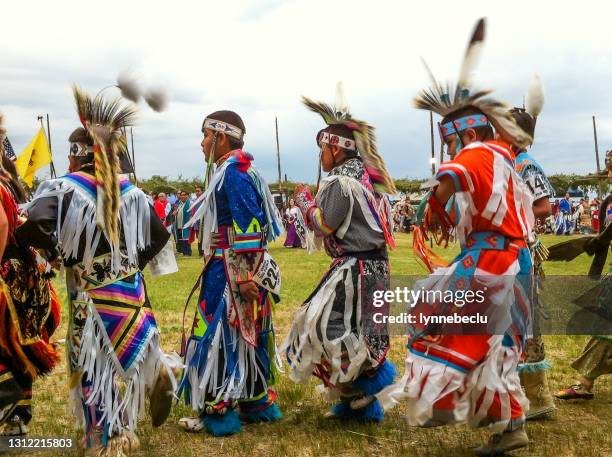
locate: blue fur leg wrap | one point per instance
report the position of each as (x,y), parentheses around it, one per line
(371,385)
(270,414)
(368,386)
(222,425)
(263,409)
(371,413)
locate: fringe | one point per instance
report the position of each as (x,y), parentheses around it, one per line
(307,346)
(205,377)
(81,220)
(223,425)
(357,193)
(273,217)
(426,381)
(98,362)
(208,206)
(76,399)
(308,237)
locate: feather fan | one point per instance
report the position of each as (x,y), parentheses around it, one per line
(568,250)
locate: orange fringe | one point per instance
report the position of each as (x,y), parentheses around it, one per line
(428,258)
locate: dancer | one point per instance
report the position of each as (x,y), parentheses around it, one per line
(196,227)
(563,223)
(230,355)
(184,235)
(532,369)
(296,227)
(29,309)
(334,335)
(106,232)
(454,375)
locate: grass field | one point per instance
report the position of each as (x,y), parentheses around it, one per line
(577,429)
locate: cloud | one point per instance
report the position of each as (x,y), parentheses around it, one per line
(258,58)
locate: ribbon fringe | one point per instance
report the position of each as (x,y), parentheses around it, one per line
(208,206)
(307,344)
(233,378)
(120,408)
(426,381)
(81,220)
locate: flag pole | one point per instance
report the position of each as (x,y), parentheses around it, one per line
(52,166)
(48,137)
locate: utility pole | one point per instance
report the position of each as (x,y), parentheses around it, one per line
(433,154)
(278,157)
(596,146)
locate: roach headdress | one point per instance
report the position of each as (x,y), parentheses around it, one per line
(104,122)
(527,116)
(446,100)
(363,139)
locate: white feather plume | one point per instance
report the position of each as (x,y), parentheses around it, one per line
(535,97)
(157,98)
(129,86)
(472,57)
(340,102)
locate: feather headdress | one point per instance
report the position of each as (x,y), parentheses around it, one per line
(365,138)
(535,97)
(444,100)
(527,116)
(105,121)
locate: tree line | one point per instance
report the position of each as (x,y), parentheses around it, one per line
(561,183)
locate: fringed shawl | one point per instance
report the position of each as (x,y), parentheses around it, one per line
(79,219)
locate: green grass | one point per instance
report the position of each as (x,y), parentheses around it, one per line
(578,429)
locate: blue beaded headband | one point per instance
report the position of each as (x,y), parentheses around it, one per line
(463,123)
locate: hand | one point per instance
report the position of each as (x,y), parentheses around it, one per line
(249,291)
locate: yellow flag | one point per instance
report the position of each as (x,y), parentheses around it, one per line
(35,156)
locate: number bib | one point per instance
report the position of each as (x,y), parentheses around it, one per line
(268,275)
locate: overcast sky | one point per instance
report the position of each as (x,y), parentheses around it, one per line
(259,57)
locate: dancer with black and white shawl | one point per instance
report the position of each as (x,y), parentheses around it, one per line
(334,336)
